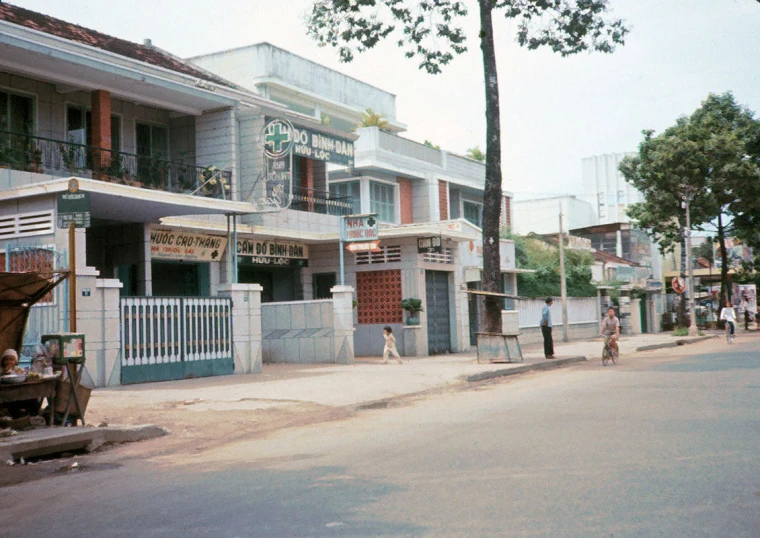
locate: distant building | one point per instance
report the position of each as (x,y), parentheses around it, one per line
(541,215)
(606,189)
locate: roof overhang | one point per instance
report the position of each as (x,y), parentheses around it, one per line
(121,203)
(60,61)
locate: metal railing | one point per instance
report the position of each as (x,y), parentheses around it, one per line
(159,330)
(322,202)
(55,157)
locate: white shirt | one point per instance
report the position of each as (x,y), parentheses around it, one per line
(728,314)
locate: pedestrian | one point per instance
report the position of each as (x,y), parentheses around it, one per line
(390,345)
(546,329)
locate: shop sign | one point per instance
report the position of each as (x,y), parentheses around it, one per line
(272,261)
(273,252)
(360,228)
(430,245)
(179,245)
(73,207)
(364,246)
(320,146)
(653,284)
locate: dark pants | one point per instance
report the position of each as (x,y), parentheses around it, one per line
(548,342)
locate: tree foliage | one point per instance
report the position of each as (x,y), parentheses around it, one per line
(370,118)
(476,154)
(431,32)
(712,158)
(430,144)
(542,257)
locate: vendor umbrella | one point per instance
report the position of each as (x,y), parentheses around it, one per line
(18,292)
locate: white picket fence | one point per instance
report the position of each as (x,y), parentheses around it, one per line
(579,310)
(158,330)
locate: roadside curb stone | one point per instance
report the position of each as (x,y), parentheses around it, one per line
(538,366)
(680,342)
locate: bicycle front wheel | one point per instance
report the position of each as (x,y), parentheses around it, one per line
(605,356)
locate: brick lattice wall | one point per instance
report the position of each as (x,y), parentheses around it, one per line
(379,296)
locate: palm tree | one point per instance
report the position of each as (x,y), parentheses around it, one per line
(476,154)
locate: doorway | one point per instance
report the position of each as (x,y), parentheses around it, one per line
(438,312)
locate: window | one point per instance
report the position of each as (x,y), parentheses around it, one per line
(473,213)
(152,143)
(382,200)
(16,113)
(79,127)
(349,188)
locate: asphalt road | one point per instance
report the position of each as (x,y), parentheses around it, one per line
(659,445)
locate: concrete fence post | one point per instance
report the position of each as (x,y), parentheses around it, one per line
(343,324)
(246,326)
(98,318)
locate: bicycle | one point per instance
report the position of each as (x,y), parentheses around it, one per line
(729,334)
(609,353)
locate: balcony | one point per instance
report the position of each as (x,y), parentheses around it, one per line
(57,158)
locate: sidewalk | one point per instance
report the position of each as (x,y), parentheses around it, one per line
(285,387)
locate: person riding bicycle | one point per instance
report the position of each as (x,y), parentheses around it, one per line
(610,329)
(729,315)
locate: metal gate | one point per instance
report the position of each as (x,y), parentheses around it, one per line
(438,312)
(166,338)
(51,314)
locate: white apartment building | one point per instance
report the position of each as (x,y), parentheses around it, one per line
(606,189)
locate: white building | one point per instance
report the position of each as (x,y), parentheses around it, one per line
(606,189)
(541,215)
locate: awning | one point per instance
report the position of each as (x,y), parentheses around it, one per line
(18,292)
(121,203)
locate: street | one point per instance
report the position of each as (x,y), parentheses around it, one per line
(662,444)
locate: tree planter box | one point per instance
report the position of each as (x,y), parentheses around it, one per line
(498,347)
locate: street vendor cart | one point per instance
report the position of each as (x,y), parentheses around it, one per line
(18,292)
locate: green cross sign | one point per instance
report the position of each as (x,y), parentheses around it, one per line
(275,137)
(371,222)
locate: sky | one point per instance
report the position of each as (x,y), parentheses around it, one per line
(554,111)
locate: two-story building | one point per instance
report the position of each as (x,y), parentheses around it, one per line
(170,156)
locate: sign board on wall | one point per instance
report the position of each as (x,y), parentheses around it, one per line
(364,246)
(276,253)
(179,245)
(360,228)
(430,245)
(321,146)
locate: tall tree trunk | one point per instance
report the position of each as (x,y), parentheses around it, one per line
(682,321)
(492,194)
(725,290)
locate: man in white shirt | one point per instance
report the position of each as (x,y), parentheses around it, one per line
(729,315)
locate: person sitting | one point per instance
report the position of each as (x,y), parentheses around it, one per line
(9,366)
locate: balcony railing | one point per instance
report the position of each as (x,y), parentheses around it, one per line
(58,158)
(322,202)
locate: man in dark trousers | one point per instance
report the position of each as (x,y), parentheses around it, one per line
(546,329)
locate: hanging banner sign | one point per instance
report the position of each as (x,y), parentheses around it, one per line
(179,245)
(320,146)
(360,228)
(263,252)
(429,245)
(368,246)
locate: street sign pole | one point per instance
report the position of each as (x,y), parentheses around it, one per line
(72,278)
(340,248)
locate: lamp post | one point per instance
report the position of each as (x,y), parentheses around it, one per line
(692,311)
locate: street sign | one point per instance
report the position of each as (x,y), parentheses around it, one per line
(429,245)
(679,286)
(360,228)
(73,207)
(365,246)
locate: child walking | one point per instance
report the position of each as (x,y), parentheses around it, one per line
(390,345)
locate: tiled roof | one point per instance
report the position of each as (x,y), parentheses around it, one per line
(605,257)
(66,30)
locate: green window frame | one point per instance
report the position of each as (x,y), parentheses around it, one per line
(473,212)
(349,188)
(382,200)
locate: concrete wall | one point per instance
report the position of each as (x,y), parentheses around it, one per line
(298,332)
(216,142)
(542,216)
(576,331)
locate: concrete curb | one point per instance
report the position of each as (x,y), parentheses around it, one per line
(547,365)
(56,440)
(681,342)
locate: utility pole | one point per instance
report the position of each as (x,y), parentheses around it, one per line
(563,283)
(692,311)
